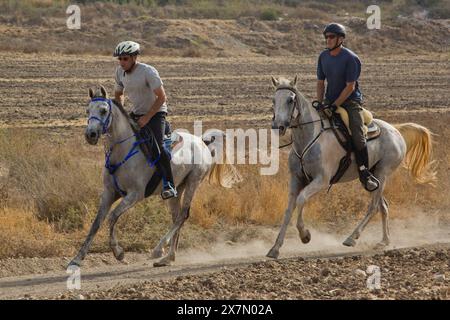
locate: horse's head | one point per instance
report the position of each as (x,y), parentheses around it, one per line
(99,115)
(284,103)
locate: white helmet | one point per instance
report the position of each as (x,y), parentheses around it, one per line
(127,48)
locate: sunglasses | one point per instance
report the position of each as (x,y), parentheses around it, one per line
(330,36)
(123,58)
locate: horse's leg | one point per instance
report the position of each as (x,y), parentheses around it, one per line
(304,234)
(175,214)
(384,208)
(294,189)
(129,201)
(175,208)
(107,199)
(373,208)
(192,184)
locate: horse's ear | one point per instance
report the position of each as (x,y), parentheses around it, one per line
(275,82)
(293,83)
(91,93)
(103,92)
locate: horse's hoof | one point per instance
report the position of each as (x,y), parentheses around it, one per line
(349,242)
(157,254)
(119,254)
(273,253)
(382,244)
(74,263)
(162,263)
(307,237)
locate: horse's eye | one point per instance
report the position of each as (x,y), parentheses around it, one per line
(102,112)
(290,100)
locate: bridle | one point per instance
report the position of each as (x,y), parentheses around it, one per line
(112,168)
(312,142)
(105,124)
(296,107)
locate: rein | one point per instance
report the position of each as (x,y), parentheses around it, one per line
(298,125)
(112,168)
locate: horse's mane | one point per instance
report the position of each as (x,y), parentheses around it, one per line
(122,110)
(120,107)
(285,83)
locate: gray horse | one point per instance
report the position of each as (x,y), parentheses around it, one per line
(315,155)
(192,161)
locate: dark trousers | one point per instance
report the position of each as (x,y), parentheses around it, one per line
(157,126)
(356,123)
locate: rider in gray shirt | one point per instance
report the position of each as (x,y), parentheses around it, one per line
(143,86)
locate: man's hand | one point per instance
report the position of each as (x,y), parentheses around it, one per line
(142,121)
(118,96)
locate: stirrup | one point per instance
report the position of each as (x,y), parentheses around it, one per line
(365,177)
(168,192)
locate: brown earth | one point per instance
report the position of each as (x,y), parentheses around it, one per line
(39,91)
(420,272)
(296,32)
(49,95)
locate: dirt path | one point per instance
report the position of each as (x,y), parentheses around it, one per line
(411,272)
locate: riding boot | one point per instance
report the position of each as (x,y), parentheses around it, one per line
(368,180)
(164,167)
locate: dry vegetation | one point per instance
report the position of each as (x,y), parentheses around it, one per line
(50,179)
(220,28)
(50,193)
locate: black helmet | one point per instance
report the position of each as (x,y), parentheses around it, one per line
(336,28)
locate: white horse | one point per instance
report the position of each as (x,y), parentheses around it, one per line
(316,153)
(129,172)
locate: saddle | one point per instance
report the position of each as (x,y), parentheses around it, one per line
(151,153)
(371,129)
(339,123)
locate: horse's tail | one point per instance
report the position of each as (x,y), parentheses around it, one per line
(221,173)
(419,145)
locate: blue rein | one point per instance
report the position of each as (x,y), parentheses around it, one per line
(112,168)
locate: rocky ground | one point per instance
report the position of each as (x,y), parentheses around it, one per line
(411,273)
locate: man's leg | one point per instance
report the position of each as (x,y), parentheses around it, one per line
(158,125)
(356,124)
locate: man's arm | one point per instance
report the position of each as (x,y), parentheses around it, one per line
(118,96)
(320,90)
(345,93)
(161,98)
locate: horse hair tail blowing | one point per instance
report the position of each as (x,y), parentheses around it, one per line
(222,173)
(419,146)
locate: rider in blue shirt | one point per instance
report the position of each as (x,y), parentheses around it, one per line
(341,68)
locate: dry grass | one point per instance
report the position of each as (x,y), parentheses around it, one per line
(23,235)
(49,192)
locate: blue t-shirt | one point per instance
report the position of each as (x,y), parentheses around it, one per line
(338,70)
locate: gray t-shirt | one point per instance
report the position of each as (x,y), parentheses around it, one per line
(138,86)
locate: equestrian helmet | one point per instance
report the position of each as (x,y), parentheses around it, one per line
(127,48)
(336,28)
